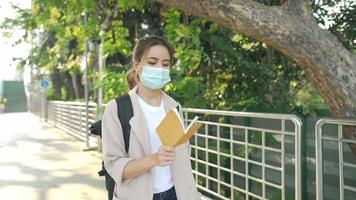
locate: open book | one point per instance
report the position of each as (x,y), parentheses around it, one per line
(171,129)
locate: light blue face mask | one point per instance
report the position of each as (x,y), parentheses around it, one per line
(154,77)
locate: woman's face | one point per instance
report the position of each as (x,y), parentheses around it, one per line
(156,56)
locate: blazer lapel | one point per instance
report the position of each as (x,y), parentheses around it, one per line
(138,124)
(168,103)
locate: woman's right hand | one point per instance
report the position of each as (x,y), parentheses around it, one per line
(164,156)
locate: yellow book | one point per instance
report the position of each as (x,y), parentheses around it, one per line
(171,130)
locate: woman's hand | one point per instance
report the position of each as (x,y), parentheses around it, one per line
(164,156)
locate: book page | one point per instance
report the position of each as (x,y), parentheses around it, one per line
(178,115)
(191,124)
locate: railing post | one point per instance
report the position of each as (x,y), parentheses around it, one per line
(319,139)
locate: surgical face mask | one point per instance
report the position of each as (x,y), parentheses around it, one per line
(154,77)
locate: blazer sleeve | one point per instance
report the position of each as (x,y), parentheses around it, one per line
(114,154)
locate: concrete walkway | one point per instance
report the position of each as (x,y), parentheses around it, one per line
(38,162)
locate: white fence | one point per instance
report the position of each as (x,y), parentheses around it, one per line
(236,155)
(239,155)
(329,132)
(71,117)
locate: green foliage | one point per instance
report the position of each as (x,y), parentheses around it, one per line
(237,73)
(116,40)
(188,90)
(344,26)
(129,4)
(185,39)
(24,21)
(307,100)
(50,94)
(215,67)
(113,83)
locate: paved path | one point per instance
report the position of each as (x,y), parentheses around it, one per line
(38,162)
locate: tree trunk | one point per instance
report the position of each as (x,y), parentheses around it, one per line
(68,85)
(56,84)
(78,86)
(291,29)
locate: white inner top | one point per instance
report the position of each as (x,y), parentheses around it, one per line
(162,176)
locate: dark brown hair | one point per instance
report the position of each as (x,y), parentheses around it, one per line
(141,47)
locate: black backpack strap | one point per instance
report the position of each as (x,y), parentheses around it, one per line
(177,108)
(125,113)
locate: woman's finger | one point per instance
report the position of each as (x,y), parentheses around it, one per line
(167,148)
(166,163)
(166,158)
(170,154)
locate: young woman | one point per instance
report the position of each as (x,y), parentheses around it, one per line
(149,170)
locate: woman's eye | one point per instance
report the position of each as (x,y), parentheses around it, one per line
(151,63)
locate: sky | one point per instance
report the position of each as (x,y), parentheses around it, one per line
(7,51)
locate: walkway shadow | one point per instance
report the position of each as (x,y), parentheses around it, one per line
(44,181)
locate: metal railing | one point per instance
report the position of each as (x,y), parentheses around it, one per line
(71,117)
(244,157)
(340,140)
(233,160)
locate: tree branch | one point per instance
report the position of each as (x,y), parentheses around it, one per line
(240,13)
(302,7)
(108,16)
(291,30)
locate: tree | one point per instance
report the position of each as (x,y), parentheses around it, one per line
(210,56)
(290,28)
(233,72)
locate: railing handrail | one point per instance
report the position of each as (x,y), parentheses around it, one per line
(344,121)
(213,112)
(245,114)
(73,103)
(319,151)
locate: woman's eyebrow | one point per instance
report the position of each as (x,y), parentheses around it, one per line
(154,58)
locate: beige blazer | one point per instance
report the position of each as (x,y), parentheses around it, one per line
(115,157)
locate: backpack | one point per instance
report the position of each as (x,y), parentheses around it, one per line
(124,113)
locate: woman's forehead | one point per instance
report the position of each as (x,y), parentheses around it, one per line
(158,51)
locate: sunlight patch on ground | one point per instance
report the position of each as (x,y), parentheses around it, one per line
(39,162)
(76,191)
(13,174)
(21,192)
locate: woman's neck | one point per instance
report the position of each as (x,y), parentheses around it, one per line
(151,97)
